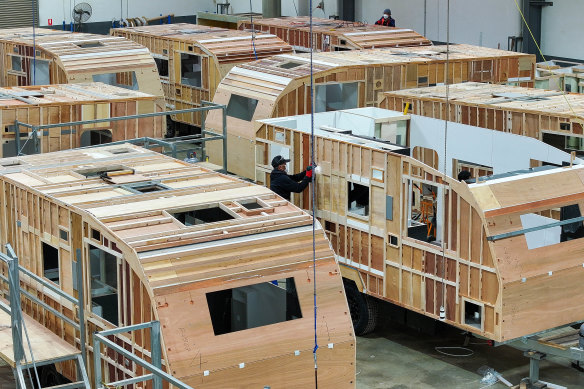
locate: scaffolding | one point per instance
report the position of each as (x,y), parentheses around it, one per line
(23,358)
(196,141)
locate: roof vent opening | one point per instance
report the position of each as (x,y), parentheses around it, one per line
(194,217)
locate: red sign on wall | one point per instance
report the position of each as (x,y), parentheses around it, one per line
(50,22)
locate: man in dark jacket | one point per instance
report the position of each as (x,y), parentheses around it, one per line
(282,183)
(386,19)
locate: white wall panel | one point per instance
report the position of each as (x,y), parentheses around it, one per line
(106,10)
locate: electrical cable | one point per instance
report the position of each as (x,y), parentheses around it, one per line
(466,352)
(296,9)
(312,186)
(252,31)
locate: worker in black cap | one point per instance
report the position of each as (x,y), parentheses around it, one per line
(386,19)
(282,183)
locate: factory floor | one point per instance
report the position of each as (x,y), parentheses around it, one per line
(398,357)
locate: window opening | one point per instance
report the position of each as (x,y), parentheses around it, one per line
(241,107)
(290,65)
(63,234)
(95,234)
(202,216)
(332,97)
(51,262)
(393,240)
(126,80)
(251,204)
(162,65)
(41,72)
(104,284)
(190,70)
(120,151)
(17,63)
(422,221)
(89,45)
(253,306)
(148,187)
(547,236)
(472,314)
(95,137)
(358,199)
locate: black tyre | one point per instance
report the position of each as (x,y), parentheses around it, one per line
(362,307)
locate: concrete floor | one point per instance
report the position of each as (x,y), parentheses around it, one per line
(397,357)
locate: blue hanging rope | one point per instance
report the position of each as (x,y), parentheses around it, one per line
(313,201)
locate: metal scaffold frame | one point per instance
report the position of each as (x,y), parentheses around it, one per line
(204,137)
(157,375)
(17,321)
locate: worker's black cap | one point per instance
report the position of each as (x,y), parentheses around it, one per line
(464,175)
(279,160)
(387,11)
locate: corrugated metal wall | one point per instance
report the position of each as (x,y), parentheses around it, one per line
(18,13)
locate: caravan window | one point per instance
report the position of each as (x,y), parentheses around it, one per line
(253,306)
(104,284)
(190,70)
(241,107)
(162,65)
(332,97)
(126,80)
(51,262)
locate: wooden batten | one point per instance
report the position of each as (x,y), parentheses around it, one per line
(63,57)
(280,86)
(554,117)
(334,35)
(165,240)
(499,287)
(212,51)
(42,105)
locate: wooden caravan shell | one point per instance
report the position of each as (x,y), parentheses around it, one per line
(54,104)
(219,49)
(280,85)
(560,75)
(335,35)
(63,57)
(515,289)
(165,268)
(551,116)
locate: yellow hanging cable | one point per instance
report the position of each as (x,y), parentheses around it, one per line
(549,68)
